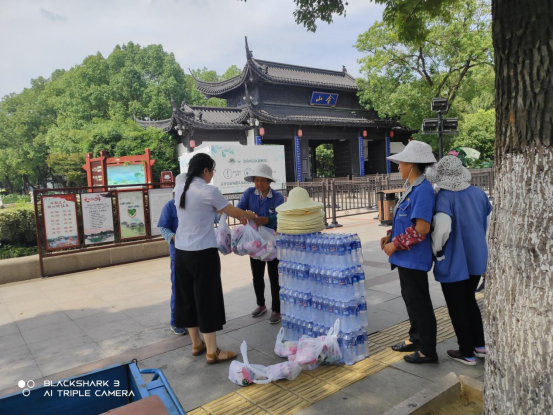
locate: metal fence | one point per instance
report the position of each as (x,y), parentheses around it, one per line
(343,197)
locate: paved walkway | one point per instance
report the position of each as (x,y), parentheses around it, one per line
(64,326)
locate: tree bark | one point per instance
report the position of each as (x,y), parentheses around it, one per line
(519,285)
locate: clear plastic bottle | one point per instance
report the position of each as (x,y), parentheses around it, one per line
(363,316)
(335,290)
(341,344)
(349,346)
(360,345)
(359,248)
(361,275)
(355,292)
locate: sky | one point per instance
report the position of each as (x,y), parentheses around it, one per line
(40,36)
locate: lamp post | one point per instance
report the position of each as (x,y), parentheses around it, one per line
(439,125)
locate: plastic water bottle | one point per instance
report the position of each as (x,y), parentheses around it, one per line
(348,349)
(360,345)
(309,329)
(315,329)
(360,272)
(335,288)
(356,290)
(359,249)
(363,316)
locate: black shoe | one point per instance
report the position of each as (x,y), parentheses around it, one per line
(417,358)
(402,347)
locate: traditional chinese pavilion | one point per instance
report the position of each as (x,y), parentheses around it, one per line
(295,106)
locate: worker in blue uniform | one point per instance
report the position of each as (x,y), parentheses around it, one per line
(168,224)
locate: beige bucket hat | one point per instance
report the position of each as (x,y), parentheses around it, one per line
(299,201)
(450,174)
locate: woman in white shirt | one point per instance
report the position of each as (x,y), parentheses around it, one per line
(199,304)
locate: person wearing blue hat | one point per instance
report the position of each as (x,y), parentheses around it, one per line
(408,246)
(461,252)
(168,223)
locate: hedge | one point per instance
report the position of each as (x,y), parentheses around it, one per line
(17,226)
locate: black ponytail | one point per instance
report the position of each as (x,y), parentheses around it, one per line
(196,167)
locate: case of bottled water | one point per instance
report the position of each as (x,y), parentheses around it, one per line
(321,280)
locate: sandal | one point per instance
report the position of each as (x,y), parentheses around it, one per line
(215,357)
(196,351)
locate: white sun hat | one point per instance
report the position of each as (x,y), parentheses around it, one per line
(180,179)
(450,174)
(414,152)
(261,170)
(299,199)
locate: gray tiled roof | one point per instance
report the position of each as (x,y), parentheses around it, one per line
(301,75)
(318,116)
(217,88)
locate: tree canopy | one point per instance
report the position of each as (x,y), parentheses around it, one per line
(455,61)
(46,129)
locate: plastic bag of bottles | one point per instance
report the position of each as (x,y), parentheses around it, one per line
(244,374)
(285,348)
(269,251)
(222,235)
(236,236)
(251,241)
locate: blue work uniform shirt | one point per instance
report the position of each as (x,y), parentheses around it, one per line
(169,220)
(466,251)
(251,200)
(417,203)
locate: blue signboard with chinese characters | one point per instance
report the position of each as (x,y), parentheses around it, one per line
(258,140)
(324,99)
(297,151)
(388,166)
(361,158)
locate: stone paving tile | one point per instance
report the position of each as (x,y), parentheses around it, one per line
(17,356)
(7,329)
(70,293)
(10,341)
(36,312)
(385,389)
(373,272)
(12,374)
(101,319)
(388,287)
(396,306)
(30,304)
(78,356)
(256,334)
(18,289)
(127,325)
(23,298)
(59,344)
(44,320)
(125,342)
(381,319)
(154,318)
(337,403)
(54,283)
(48,332)
(86,307)
(377,297)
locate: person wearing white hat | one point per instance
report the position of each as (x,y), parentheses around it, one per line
(263,201)
(459,245)
(408,246)
(168,223)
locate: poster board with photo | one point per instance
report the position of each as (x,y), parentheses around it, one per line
(157,198)
(97,213)
(60,222)
(132,220)
(126,174)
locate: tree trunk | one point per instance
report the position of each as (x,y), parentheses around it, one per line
(519,287)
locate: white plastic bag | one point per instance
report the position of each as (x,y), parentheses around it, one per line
(268,252)
(287,348)
(251,241)
(244,374)
(309,350)
(222,235)
(312,366)
(236,236)
(331,354)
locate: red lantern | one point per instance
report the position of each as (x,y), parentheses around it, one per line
(411,138)
(391,134)
(300,133)
(364,133)
(261,131)
(192,144)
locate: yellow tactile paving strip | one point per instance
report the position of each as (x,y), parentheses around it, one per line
(285,397)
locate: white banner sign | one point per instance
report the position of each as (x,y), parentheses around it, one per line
(97,211)
(157,198)
(234,162)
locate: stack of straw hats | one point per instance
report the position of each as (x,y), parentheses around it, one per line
(300,215)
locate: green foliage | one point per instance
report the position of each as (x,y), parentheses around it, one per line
(17,226)
(455,61)
(46,130)
(477,131)
(11,251)
(15,198)
(325,160)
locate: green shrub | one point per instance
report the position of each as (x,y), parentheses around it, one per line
(17,226)
(15,198)
(10,251)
